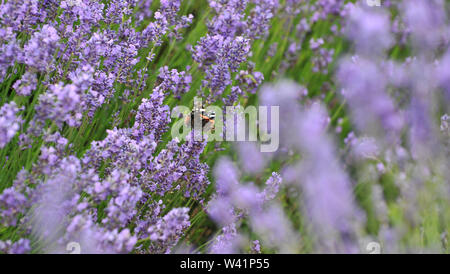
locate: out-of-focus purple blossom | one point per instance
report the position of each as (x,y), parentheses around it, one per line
(275,230)
(40,49)
(445,124)
(221,211)
(329,200)
(227,242)
(234,201)
(369,30)
(26,84)
(227,176)
(364,86)
(362,148)
(21,246)
(250,157)
(22,15)
(256,247)
(286,95)
(443,74)
(10,122)
(55,198)
(9,50)
(426,21)
(328,195)
(144,10)
(12,204)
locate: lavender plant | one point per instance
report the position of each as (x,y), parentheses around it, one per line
(87,154)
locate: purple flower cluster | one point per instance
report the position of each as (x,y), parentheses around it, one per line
(38,52)
(328,195)
(75,63)
(10,122)
(166,232)
(219,56)
(26,84)
(22,246)
(61,214)
(311,13)
(166,22)
(235,203)
(322,56)
(176,82)
(226,47)
(22,15)
(364,144)
(259,20)
(13,204)
(9,50)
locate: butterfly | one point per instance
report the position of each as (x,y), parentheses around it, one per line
(207,118)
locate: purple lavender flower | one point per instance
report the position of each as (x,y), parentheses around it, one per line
(256,247)
(229,19)
(369,30)
(167,231)
(166,21)
(38,52)
(251,159)
(12,204)
(62,103)
(144,11)
(364,86)
(328,195)
(21,246)
(10,123)
(176,82)
(152,118)
(26,84)
(221,56)
(22,15)
(426,21)
(322,56)
(9,50)
(272,187)
(275,230)
(226,243)
(259,21)
(234,201)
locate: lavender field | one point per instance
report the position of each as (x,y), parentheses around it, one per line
(108,143)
